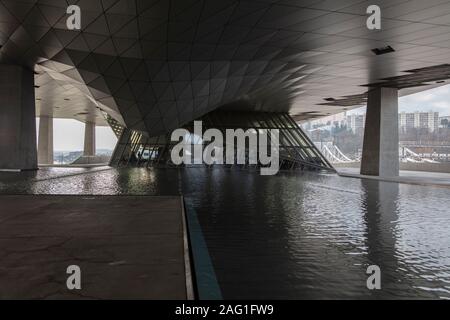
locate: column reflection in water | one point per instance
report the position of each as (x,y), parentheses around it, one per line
(409,268)
(380,207)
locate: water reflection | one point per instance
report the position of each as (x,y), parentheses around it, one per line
(293,235)
(380,207)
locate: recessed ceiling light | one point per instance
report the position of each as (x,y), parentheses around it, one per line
(383,50)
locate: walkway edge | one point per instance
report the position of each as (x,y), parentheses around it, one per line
(206,284)
(187,261)
(394,180)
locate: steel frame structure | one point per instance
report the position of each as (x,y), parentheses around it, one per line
(296,150)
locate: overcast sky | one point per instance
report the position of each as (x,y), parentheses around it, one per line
(437,99)
(68,135)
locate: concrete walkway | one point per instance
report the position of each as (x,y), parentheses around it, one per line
(127,247)
(410,177)
(72,165)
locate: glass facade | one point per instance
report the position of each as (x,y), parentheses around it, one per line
(296,151)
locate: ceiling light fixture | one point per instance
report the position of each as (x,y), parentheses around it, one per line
(383,50)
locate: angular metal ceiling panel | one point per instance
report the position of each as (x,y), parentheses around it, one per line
(161,63)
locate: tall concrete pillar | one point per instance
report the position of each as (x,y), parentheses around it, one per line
(45,143)
(17,119)
(89,139)
(380,149)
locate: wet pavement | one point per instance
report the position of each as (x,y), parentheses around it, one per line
(126,247)
(291,236)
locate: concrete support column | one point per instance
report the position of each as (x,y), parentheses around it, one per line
(45,143)
(380,149)
(17,119)
(89,139)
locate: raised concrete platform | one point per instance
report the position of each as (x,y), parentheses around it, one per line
(95,165)
(410,177)
(128,247)
(83,160)
(404,166)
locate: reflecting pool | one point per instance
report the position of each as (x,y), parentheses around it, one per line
(291,236)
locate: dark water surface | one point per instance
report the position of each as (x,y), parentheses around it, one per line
(294,235)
